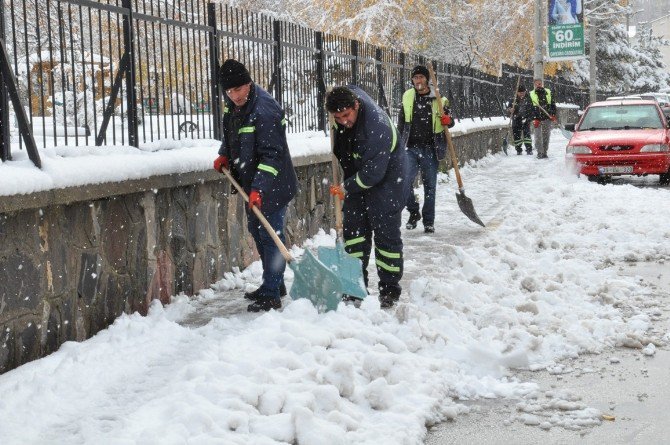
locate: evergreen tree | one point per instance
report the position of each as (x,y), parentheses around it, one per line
(621,66)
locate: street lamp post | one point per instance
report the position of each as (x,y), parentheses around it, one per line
(538,67)
(593,87)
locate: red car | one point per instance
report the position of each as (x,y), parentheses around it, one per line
(630,137)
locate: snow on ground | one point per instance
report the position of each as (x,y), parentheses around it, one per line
(534,287)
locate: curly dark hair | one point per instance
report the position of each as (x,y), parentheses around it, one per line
(340,98)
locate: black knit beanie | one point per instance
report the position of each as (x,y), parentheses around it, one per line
(420,69)
(233,74)
(521,89)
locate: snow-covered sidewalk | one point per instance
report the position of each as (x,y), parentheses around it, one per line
(532,288)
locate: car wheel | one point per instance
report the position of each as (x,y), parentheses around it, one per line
(665,178)
(593,178)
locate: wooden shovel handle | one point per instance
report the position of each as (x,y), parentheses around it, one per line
(447,135)
(271,231)
(511,117)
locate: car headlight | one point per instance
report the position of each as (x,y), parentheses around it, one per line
(577,149)
(655,148)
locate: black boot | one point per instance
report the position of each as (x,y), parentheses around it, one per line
(388,295)
(264,304)
(414,218)
(256,295)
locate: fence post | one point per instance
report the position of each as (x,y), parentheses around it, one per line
(277,58)
(354,62)
(131,93)
(214,69)
(447,73)
(320,80)
(5,125)
(381,95)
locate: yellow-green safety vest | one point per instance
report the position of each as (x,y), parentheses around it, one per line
(408,108)
(535,100)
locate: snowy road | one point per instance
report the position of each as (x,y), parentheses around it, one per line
(480,308)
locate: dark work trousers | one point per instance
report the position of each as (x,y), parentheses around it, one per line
(423,158)
(522,136)
(367,222)
(273,262)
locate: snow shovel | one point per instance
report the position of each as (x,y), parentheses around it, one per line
(348,268)
(511,118)
(464,202)
(311,278)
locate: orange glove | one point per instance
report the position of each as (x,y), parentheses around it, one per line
(220,163)
(255,199)
(536,123)
(553,118)
(337,190)
(445,120)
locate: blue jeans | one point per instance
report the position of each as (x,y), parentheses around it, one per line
(422,157)
(273,262)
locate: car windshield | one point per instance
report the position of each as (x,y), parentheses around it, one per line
(621,117)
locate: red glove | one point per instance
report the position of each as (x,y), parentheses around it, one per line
(445,120)
(220,163)
(536,123)
(553,118)
(336,190)
(254,199)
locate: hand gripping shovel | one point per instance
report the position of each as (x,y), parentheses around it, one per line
(311,278)
(348,268)
(464,202)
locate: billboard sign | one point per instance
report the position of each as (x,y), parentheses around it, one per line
(565,30)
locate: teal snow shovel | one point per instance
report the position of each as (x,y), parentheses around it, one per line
(348,268)
(311,278)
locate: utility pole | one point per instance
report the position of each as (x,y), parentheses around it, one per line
(628,2)
(538,67)
(593,87)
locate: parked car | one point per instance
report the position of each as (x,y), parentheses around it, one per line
(662,99)
(630,137)
(623,97)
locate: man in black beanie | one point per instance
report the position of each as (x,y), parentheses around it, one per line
(255,150)
(518,108)
(422,131)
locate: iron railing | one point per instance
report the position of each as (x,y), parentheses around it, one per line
(97,72)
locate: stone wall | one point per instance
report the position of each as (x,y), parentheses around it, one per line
(567,114)
(72,260)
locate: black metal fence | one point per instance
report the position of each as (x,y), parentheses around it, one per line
(96,72)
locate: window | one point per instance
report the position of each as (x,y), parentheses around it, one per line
(621,117)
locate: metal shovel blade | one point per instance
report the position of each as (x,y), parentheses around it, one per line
(467,208)
(316,282)
(566,134)
(347,268)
